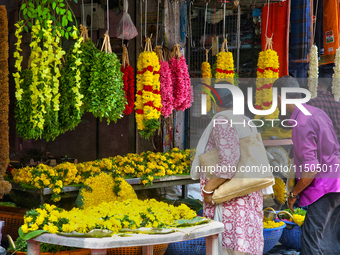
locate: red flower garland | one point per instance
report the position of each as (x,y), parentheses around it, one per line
(129,88)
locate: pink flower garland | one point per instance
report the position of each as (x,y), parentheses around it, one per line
(182,90)
(166,88)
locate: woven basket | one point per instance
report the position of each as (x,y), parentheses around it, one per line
(189,247)
(13,218)
(74,252)
(271,236)
(158,249)
(291,236)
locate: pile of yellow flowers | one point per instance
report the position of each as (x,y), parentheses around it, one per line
(299,219)
(112,216)
(104,188)
(148,98)
(145,166)
(272,224)
(267,73)
(206,79)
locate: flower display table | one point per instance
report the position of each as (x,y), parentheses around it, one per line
(99,246)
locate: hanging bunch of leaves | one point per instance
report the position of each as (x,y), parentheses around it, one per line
(5,186)
(106,94)
(71,100)
(59,11)
(148,99)
(129,82)
(46,55)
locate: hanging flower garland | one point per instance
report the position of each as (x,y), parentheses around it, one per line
(182,90)
(148,99)
(166,84)
(313,73)
(71,100)
(268,72)
(225,63)
(336,76)
(5,186)
(129,82)
(107,97)
(206,78)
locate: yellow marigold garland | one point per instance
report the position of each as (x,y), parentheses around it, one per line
(225,64)
(206,78)
(313,73)
(267,73)
(148,99)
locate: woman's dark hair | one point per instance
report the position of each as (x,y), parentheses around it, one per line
(225,95)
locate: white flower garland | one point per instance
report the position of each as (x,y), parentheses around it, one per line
(313,72)
(336,76)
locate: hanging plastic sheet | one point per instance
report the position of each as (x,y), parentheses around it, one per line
(126,29)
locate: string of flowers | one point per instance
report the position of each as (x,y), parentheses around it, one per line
(225,64)
(71,100)
(336,76)
(268,72)
(206,78)
(148,99)
(166,84)
(182,89)
(129,82)
(313,73)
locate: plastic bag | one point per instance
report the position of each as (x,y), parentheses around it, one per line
(126,29)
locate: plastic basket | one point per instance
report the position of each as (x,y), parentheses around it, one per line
(192,247)
(158,249)
(13,218)
(291,236)
(271,236)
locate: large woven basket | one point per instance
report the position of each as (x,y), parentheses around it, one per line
(158,249)
(271,237)
(189,247)
(291,236)
(13,218)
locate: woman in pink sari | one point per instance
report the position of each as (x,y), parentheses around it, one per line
(242,217)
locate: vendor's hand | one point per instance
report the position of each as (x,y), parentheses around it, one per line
(291,202)
(209,200)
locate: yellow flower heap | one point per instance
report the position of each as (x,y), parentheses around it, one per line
(267,73)
(105,188)
(206,75)
(112,216)
(148,98)
(272,224)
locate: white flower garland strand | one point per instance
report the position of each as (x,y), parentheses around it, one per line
(336,76)
(313,72)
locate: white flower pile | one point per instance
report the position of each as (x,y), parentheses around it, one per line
(313,72)
(336,76)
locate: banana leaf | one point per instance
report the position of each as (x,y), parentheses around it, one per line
(189,223)
(149,231)
(96,233)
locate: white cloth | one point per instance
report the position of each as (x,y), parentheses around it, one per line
(241,130)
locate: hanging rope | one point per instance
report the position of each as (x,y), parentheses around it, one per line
(91,16)
(316,14)
(125,57)
(175,21)
(224,45)
(206,54)
(190,25)
(146,16)
(159,52)
(224,7)
(141,24)
(83,12)
(267,18)
(84,33)
(205,22)
(107,17)
(157,20)
(176,51)
(107,44)
(148,45)
(269,44)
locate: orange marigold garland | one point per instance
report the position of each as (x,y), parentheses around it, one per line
(267,73)
(225,64)
(5,186)
(148,99)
